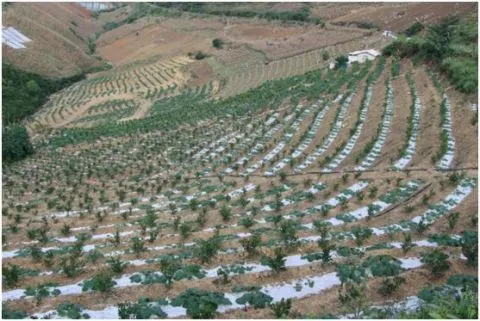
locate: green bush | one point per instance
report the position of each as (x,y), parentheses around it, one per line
(71,311)
(116,265)
(251,243)
(341,62)
(11,274)
(140,310)
(217,43)
(382,265)
(469,242)
(414,29)
(282,308)
(436,261)
(199,55)
(207,249)
(200,304)
(24,92)
(257,299)
(101,282)
(15,143)
(450,44)
(275,262)
(390,285)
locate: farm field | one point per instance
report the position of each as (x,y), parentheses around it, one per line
(268,178)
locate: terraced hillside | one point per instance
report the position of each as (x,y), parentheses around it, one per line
(227,187)
(289,190)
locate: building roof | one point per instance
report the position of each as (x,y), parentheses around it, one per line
(371,52)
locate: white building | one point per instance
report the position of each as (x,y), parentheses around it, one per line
(361,56)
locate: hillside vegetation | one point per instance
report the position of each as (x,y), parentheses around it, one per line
(451,45)
(22,94)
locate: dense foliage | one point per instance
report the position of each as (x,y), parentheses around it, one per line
(15,143)
(24,92)
(451,45)
(302,15)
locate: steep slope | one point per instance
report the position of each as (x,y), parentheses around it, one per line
(58,33)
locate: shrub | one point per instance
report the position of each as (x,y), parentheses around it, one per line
(288,233)
(361,234)
(185,230)
(138,245)
(352,297)
(199,55)
(169,266)
(15,143)
(226,213)
(207,249)
(217,43)
(407,244)
(452,219)
(257,299)
(11,274)
(140,310)
(71,311)
(414,29)
(100,282)
(436,261)
(282,308)
(251,243)
(200,304)
(276,262)
(382,265)
(71,265)
(341,62)
(116,265)
(390,285)
(469,242)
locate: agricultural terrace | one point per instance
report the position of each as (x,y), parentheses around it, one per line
(291,190)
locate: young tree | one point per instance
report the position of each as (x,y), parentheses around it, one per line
(407,244)
(226,213)
(207,249)
(11,274)
(169,266)
(276,262)
(452,220)
(138,245)
(116,265)
(288,233)
(282,308)
(361,234)
(251,243)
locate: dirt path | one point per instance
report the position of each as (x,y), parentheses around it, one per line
(401,110)
(465,133)
(428,140)
(373,120)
